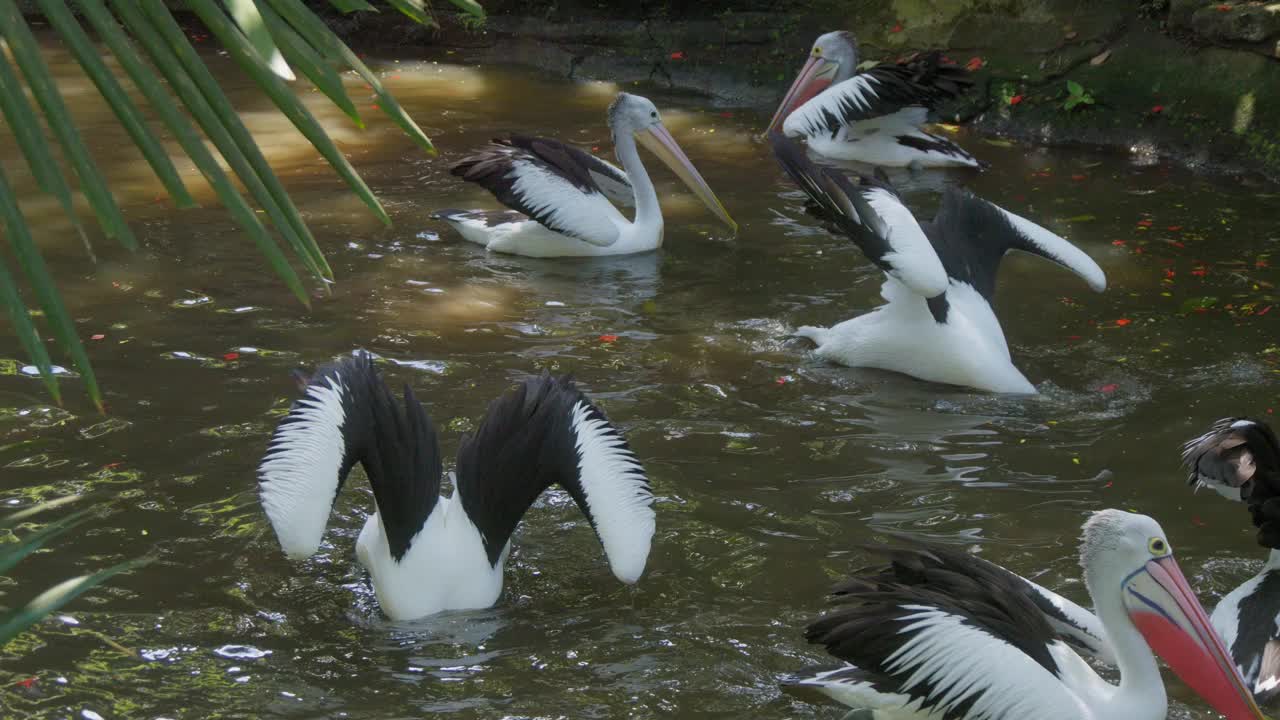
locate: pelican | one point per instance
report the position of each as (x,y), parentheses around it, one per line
(559,195)
(936,635)
(1239,458)
(940,277)
(426,552)
(874,115)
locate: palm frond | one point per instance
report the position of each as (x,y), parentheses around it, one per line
(268,39)
(15,620)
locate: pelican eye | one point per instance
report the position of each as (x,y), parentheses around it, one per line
(1158,546)
(654,114)
(817,52)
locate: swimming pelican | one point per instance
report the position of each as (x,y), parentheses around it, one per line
(426,552)
(938,636)
(559,195)
(1240,459)
(874,115)
(937,324)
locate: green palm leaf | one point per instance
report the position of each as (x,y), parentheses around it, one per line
(15,620)
(267,38)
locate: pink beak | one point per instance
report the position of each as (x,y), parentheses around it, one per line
(813,79)
(1164,608)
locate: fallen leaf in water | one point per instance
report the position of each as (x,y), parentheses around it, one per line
(1109,388)
(1015,100)
(998,143)
(1118,243)
(1100,58)
(608,338)
(99,336)
(1144,223)
(231,356)
(948,128)
(1122,322)
(677,55)
(974,63)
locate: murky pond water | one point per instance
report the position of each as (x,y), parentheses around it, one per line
(770,467)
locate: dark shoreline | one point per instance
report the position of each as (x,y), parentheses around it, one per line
(1158,86)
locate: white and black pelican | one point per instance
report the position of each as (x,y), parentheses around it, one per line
(1240,459)
(940,277)
(426,552)
(559,196)
(938,636)
(874,115)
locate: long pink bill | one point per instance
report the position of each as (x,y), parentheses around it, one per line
(658,141)
(814,77)
(1165,610)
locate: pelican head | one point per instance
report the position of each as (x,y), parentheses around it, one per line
(833,58)
(1232,457)
(638,116)
(1128,556)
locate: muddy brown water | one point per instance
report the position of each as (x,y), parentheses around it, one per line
(770,467)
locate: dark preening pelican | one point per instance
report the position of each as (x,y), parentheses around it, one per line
(940,277)
(874,115)
(1239,458)
(559,196)
(426,552)
(938,635)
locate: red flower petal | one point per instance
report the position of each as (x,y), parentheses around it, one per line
(1144,223)
(1157,109)
(974,64)
(231,356)
(99,336)
(1015,99)
(1109,388)
(1118,243)
(677,55)
(608,338)
(1122,322)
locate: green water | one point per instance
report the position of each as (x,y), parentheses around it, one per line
(770,467)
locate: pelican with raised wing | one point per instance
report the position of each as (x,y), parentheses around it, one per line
(559,196)
(874,115)
(426,552)
(940,277)
(937,635)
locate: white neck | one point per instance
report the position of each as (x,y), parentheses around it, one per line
(1141,693)
(648,213)
(1273,561)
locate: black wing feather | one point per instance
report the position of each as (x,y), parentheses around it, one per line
(525,443)
(403,464)
(836,199)
(888,88)
(866,628)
